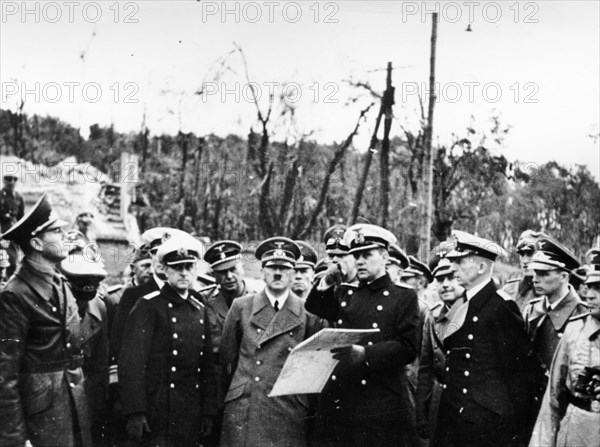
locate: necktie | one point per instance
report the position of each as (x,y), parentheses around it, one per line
(276,306)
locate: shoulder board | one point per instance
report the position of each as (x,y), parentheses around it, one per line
(151,295)
(115,288)
(348,284)
(434,306)
(505,296)
(195,301)
(510,281)
(207,279)
(207,288)
(535,300)
(405,285)
(579,317)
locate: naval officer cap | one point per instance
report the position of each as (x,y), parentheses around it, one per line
(278,251)
(178,250)
(361,237)
(334,241)
(38,219)
(470,245)
(154,237)
(398,256)
(417,268)
(308,256)
(552,255)
(223,255)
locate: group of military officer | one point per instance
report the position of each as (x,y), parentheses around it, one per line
(179,358)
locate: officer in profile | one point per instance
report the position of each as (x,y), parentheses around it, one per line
(344,265)
(366,394)
(42,386)
(166,370)
(397,263)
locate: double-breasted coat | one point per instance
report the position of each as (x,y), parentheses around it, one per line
(166,367)
(362,404)
(562,421)
(491,370)
(42,387)
(432,365)
(255,344)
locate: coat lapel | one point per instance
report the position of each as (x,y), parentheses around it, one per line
(262,311)
(564,311)
(285,320)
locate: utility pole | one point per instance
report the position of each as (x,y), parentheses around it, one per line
(429,149)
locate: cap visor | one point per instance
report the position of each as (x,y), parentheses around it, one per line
(279,263)
(536,265)
(224,265)
(182,261)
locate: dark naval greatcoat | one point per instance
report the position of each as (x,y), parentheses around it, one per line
(363,404)
(491,370)
(255,344)
(166,368)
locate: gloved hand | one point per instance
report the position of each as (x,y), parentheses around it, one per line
(353,354)
(206,427)
(334,275)
(136,426)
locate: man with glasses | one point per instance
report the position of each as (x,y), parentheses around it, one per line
(166,366)
(42,388)
(12,209)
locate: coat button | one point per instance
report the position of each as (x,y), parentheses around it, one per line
(68,345)
(374,325)
(363,382)
(173,368)
(333,378)
(258,362)
(370,343)
(467,373)
(340,321)
(197,386)
(386,293)
(380,308)
(174,351)
(560,335)
(475,319)
(447,352)
(470,336)
(447,368)
(54,309)
(467,355)
(443,386)
(291,334)
(175,336)
(464,391)
(259,330)
(257,379)
(289,348)
(201,321)
(350,292)
(199,369)
(71,384)
(201,353)
(174,320)
(170,305)
(343,304)
(172,385)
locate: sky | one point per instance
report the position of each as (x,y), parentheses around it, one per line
(535,65)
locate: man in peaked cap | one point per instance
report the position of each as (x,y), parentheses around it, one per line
(521,289)
(337,249)
(488,390)
(166,371)
(84,276)
(547,316)
(224,258)
(42,397)
(432,359)
(260,331)
(304,271)
(366,395)
(397,263)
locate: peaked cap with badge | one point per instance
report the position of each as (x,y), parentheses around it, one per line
(39,218)
(279,251)
(528,240)
(154,237)
(223,255)
(334,240)
(417,268)
(308,256)
(471,245)
(398,256)
(593,271)
(552,255)
(443,268)
(361,237)
(177,251)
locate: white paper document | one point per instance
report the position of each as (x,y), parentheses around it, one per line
(310,364)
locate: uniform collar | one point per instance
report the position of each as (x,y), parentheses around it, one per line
(39,277)
(172,296)
(479,300)
(475,290)
(379,283)
(93,308)
(280,299)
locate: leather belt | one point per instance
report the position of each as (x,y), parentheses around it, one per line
(74,362)
(591,405)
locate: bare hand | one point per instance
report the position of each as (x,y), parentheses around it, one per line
(353,354)
(333,275)
(136,426)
